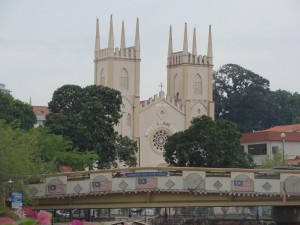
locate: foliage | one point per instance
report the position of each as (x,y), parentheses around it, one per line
(243,97)
(274,160)
(19,156)
(30,153)
(87,116)
(207,143)
(59,151)
(29,217)
(287,106)
(126,150)
(25,218)
(16,112)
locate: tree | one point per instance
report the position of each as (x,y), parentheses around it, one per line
(33,152)
(287,106)
(273,161)
(243,97)
(207,143)
(87,116)
(16,112)
(59,151)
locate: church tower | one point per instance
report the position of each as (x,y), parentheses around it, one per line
(190,78)
(119,68)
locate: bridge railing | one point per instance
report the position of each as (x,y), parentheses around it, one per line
(228,181)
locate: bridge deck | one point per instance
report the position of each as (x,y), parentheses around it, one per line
(166,187)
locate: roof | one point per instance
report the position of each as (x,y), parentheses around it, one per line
(286,128)
(40,110)
(292,133)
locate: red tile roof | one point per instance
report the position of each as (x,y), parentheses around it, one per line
(40,110)
(292,133)
(286,128)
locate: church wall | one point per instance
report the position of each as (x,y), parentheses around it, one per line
(101,66)
(130,68)
(158,116)
(193,70)
(173,72)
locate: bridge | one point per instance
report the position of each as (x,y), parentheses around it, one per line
(166,187)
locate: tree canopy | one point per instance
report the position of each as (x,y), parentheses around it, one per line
(207,143)
(244,97)
(33,152)
(87,116)
(15,112)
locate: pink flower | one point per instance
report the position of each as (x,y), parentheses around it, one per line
(76,222)
(30,213)
(7,220)
(44,217)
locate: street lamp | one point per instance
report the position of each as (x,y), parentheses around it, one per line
(9,187)
(282,136)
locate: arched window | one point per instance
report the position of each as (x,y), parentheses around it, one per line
(176,87)
(197,85)
(124,80)
(128,119)
(102,78)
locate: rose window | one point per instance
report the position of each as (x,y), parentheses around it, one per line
(159,139)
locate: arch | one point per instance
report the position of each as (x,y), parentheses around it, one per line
(242,183)
(102,77)
(176,87)
(56,186)
(100,183)
(193,182)
(128,120)
(124,79)
(197,85)
(291,185)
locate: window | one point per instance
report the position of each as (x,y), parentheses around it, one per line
(102,78)
(128,119)
(274,149)
(176,87)
(259,149)
(124,80)
(197,85)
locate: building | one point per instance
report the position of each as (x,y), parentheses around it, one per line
(150,122)
(265,143)
(40,112)
(3,89)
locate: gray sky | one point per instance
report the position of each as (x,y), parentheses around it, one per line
(47,44)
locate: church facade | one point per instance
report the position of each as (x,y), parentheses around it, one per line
(150,122)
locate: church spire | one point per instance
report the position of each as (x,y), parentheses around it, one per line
(111,34)
(137,40)
(170,50)
(194,52)
(137,36)
(123,45)
(97,42)
(185,41)
(209,47)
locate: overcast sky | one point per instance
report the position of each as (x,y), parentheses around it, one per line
(47,44)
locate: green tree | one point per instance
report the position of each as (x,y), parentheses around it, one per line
(16,112)
(33,152)
(19,156)
(243,97)
(87,116)
(272,161)
(207,143)
(59,151)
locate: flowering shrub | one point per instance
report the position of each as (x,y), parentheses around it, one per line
(28,217)
(31,217)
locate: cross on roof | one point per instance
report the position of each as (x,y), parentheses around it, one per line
(161,86)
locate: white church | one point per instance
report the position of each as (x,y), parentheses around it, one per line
(150,122)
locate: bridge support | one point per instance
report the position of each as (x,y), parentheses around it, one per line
(286,215)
